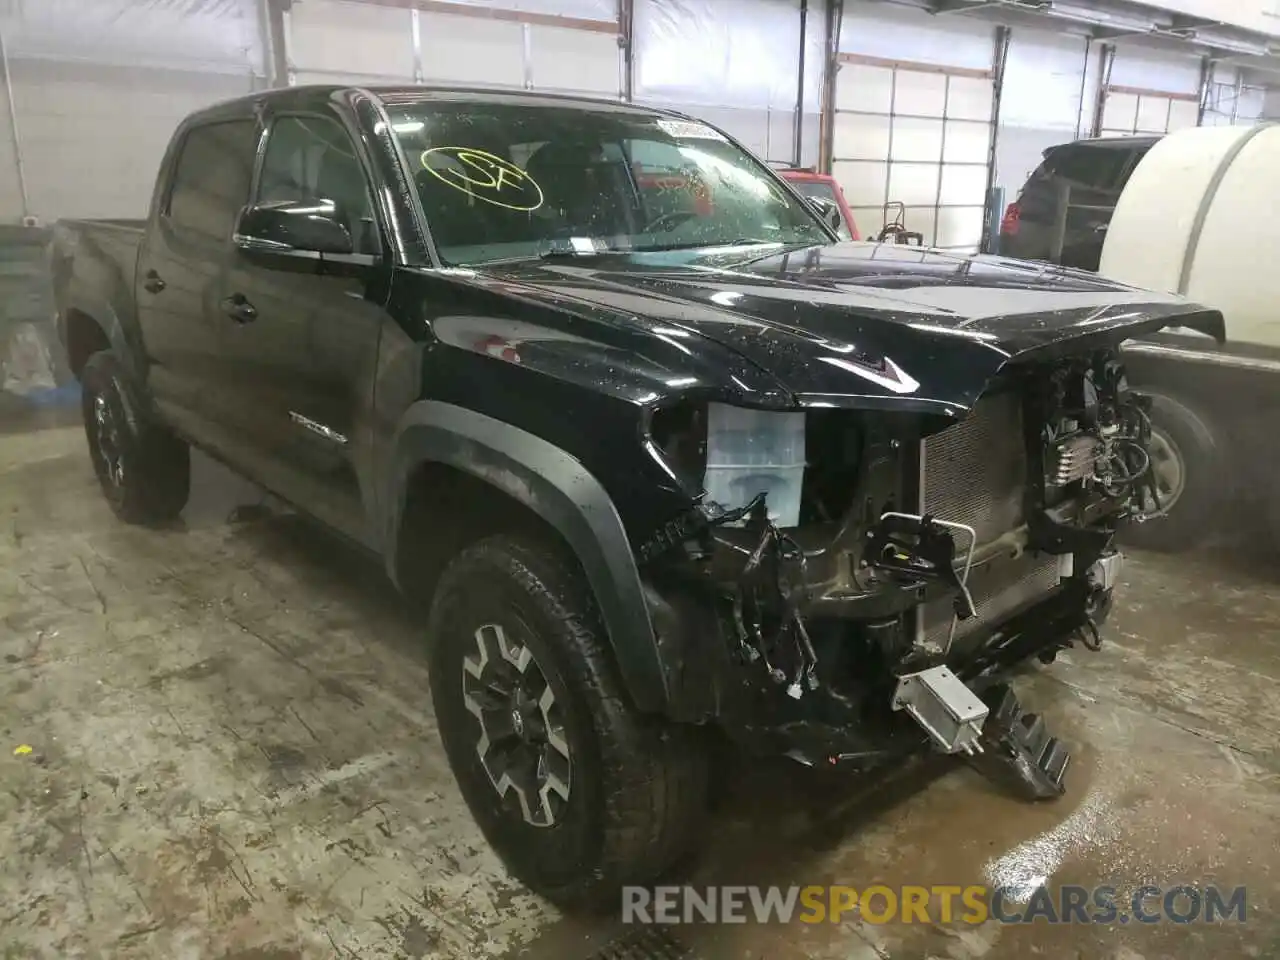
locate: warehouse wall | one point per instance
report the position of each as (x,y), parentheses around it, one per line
(565,46)
(96,88)
(1047,100)
(98,85)
(735,63)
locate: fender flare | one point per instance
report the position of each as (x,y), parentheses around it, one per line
(560,490)
(100,311)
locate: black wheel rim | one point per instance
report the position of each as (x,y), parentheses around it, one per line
(520,738)
(106,442)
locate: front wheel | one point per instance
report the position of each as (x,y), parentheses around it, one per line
(144,471)
(576,791)
(1186,467)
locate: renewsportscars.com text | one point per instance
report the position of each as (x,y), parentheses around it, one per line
(938,903)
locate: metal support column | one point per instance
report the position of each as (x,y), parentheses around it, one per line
(1208,67)
(999,61)
(1104,82)
(831,64)
(798,132)
(626,40)
(13,126)
(1084,80)
(415,27)
(278,41)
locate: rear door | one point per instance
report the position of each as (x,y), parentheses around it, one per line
(180,269)
(302,370)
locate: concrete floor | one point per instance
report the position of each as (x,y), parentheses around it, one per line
(233,757)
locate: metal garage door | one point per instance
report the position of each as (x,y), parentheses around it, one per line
(1130,110)
(1149,91)
(916,134)
(1232,102)
(361,41)
(96,91)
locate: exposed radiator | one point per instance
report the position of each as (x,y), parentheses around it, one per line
(975,473)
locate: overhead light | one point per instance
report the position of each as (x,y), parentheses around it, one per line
(1102,18)
(1253,48)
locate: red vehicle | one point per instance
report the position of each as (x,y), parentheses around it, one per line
(809,183)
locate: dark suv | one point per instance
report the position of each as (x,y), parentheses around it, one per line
(1062,213)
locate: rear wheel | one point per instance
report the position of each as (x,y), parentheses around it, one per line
(575,790)
(1185,462)
(144,470)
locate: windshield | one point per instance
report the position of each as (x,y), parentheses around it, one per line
(502,181)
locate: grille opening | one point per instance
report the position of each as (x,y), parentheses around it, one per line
(975,473)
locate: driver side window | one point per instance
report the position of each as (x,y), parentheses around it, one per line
(310,159)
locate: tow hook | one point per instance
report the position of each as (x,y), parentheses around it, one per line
(1019,752)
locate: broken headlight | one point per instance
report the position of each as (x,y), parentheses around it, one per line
(753,452)
(737,454)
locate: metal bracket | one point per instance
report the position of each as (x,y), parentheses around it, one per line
(948,711)
(944,571)
(1105,573)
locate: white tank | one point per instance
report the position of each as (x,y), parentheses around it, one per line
(1201,216)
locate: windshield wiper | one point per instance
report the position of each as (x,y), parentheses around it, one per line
(740,242)
(568,253)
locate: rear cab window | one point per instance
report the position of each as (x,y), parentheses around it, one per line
(1095,167)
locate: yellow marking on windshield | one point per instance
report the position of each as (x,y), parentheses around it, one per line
(486,177)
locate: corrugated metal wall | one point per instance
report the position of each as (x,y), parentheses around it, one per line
(98,84)
(97,87)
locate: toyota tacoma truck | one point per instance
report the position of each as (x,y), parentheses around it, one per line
(662,453)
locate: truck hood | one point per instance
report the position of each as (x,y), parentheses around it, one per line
(861,324)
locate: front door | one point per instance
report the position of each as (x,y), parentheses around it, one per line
(303,334)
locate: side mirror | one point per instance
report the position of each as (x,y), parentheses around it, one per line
(828,211)
(294,228)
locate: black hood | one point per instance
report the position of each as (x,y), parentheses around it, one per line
(860,324)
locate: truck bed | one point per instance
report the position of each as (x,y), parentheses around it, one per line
(93,262)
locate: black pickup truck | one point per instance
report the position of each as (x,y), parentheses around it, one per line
(663,455)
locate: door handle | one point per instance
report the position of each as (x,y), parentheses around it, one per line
(239,309)
(153,283)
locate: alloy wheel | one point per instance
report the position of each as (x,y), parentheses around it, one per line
(1169,472)
(522,744)
(107,445)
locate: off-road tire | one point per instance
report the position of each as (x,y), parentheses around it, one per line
(639,788)
(1198,508)
(155,479)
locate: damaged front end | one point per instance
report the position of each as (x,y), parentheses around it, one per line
(926,558)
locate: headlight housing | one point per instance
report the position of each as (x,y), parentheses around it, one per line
(738,453)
